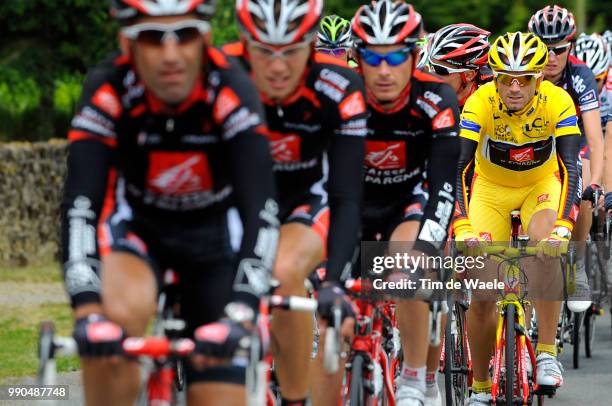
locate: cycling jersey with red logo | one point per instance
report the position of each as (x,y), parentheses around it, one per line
(178,169)
(316,136)
(416,139)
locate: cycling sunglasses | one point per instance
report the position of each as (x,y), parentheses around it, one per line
(335,52)
(560,49)
(443,70)
(269,52)
(522,80)
(394,58)
(157,34)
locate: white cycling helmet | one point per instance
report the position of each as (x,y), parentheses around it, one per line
(386,22)
(279,22)
(592,50)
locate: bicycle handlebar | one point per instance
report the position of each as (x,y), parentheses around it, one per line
(295,303)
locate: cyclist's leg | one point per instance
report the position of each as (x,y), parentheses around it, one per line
(489,213)
(129,294)
(205,289)
(302,243)
(412,315)
(325,387)
(538,213)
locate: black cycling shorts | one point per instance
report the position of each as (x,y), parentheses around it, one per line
(203,261)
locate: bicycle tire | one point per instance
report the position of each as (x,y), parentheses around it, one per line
(576,339)
(448,357)
(589,333)
(455,361)
(45,352)
(357,391)
(509,354)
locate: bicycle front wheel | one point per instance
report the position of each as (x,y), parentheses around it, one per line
(510,354)
(356,391)
(577,321)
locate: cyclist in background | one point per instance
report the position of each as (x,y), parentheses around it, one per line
(520,131)
(410,167)
(156,158)
(316,112)
(335,38)
(458,53)
(593,51)
(556,27)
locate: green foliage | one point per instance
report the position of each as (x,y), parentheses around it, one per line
(66,94)
(52,43)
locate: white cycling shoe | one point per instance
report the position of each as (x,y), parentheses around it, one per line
(549,372)
(433,396)
(579,300)
(480,399)
(408,396)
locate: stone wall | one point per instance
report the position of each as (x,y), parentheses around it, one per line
(31,183)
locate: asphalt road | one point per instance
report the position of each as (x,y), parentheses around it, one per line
(589,385)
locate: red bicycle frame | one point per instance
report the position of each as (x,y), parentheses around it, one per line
(368,339)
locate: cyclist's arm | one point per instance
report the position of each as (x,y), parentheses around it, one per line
(84,191)
(240,114)
(256,200)
(345,184)
(441,177)
(441,173)
(592,129)
(466,162)
(345,190)
(567,152)
(90,159)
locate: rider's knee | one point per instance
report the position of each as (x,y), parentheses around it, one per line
(130,312)
(290,272)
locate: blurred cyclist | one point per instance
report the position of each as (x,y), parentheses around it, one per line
(335,38)
(156,158)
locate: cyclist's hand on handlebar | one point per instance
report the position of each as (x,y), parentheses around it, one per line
(589,192)
(556,243)
(471,244)
(221,340)
(98,337)
(330,293)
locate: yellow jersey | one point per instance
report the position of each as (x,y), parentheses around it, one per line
(516,149)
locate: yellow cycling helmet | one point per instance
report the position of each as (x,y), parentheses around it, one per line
(518,52)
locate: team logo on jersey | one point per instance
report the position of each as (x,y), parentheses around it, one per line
(352,106)
(227,101)
(284,147)
(521,155)
(543,198)
(486,236)
(385,155)
(587,97)
(444,119)
(178,173)
(106,99)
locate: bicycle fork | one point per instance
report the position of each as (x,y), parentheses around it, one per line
(522,344)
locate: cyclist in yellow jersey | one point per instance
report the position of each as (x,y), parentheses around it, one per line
(521,134)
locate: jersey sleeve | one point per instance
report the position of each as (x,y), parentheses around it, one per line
(473,117)
(90,160)
(346,155)
(585,85)
(238,110)
(564,114)
(441,170)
